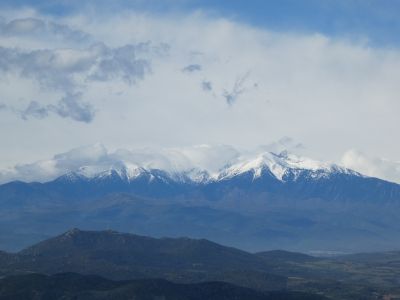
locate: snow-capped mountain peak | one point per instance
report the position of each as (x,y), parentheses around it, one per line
(124,170)
(279,165)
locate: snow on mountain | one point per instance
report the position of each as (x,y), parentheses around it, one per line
(124,170)
(279,165)
(198,164)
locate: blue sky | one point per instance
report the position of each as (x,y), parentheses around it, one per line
(376,20)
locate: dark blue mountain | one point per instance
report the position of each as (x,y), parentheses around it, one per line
(270,202)
(305,184)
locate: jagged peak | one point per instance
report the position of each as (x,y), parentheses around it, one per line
(72,176)
(280,165)
(277,164)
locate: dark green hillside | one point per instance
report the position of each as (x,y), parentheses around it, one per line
(120,256)
(78,287)
(121,250)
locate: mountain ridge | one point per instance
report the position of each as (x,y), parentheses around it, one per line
(278,165)
(283,174)
(122,256)
(252,209)
(116,256)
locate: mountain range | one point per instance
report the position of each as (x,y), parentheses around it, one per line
(270,201)
(81,264)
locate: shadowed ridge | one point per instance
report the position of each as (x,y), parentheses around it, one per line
(76,286)
(86,240)
(123,256)
(124,250)
(285,256)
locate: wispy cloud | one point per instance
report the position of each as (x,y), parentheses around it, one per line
(71,70)
(71,106)
(66,69)
(119,63)
(192,68)
(206,85)
(238,89)
(42,29)
(35,110)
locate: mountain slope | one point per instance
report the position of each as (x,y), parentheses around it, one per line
(140,251)
(277,176)
(74,286)
(270,201)
(126,256)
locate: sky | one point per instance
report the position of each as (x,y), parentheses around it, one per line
(316,77)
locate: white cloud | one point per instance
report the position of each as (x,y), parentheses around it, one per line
(372,166)
(97,157)
(212,158)
(67,69)
(38,28)
(331,94)
(71,71)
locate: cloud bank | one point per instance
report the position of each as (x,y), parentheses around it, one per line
(134,79)
(372,166)
(95,158)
